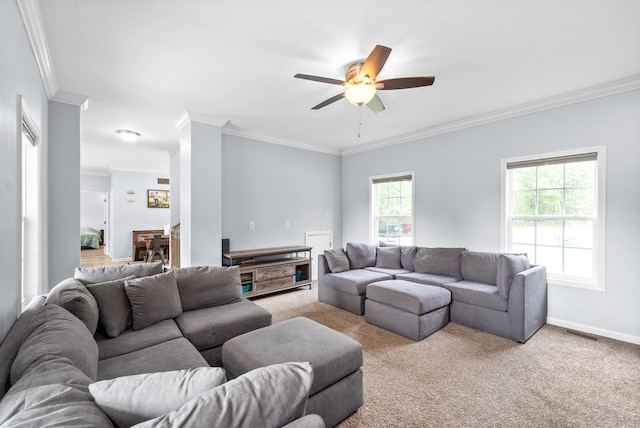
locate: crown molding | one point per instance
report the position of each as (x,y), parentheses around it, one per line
(32,21)
(193,116)
(73,99)
(573,97)
(244,134)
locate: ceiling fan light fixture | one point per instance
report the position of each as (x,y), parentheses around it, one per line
(127,135)
(360,93)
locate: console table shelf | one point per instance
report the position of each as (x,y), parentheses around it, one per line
(261,272)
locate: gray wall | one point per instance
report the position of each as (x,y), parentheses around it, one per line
(270,184)
(63,191)
(19,75)
(457,196)
(125,217)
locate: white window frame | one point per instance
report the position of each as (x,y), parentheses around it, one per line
(32,263)
(598,282)
(373,232)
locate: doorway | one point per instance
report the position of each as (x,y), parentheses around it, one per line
(320,241)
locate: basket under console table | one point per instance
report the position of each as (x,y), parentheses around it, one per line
(268,270)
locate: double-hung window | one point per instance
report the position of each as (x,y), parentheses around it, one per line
(392,209)
(553,210)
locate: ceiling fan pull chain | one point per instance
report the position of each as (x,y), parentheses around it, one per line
(359,119)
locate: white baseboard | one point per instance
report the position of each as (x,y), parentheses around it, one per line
(594,330)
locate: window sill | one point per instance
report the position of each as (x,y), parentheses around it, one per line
(582,283)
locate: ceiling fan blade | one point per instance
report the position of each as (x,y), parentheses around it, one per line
(320,79)
(329,101)
(405,82)
(375,104)
(375,61)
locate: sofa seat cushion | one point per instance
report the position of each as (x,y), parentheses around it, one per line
(427,278)
(354,281)
(478,294)
(134,340)
(52,392)
(210,327)
(176,354)
(392,272)
(55,332)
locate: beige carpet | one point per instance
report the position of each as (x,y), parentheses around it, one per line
(461,377)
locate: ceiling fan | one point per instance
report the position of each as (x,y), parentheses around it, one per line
(361,85)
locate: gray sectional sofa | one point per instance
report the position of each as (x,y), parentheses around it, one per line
(127,345)
(498,293)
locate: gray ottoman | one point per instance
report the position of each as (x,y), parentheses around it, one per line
(336,391)
(407,308)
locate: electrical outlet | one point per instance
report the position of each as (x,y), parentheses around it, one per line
(286,224)
(252,225)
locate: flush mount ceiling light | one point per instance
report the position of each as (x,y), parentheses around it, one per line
(127,135)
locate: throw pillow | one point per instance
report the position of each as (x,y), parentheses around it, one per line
(205,286)
(408,257)
(388,257)
(440,261)
(115,310)
(153,299)
(72,295)
(337,260)
(361,255)
(48,337)
(509,265)
(109,273)
(129,400)
(270,396)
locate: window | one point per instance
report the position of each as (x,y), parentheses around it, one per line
(392,209)
(554,212)
(31,233)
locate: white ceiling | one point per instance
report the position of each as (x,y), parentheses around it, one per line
(143,63)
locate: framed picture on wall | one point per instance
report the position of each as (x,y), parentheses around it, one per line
(158,198)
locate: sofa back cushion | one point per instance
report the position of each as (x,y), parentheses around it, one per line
(440,261)
(12,341)
(153,299)
(480,267)
(408,257)
(509,265)
(56,333)
(52,392)
(205,286)
(361,255)
(388,257)
(72,295)
(114,306)
(109,273)
(337,260)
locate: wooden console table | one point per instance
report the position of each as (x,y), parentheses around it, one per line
(141,238)
(263,272)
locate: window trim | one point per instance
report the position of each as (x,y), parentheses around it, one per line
(376,179)
(598,283)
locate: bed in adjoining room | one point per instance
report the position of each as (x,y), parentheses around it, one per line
(90,238)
